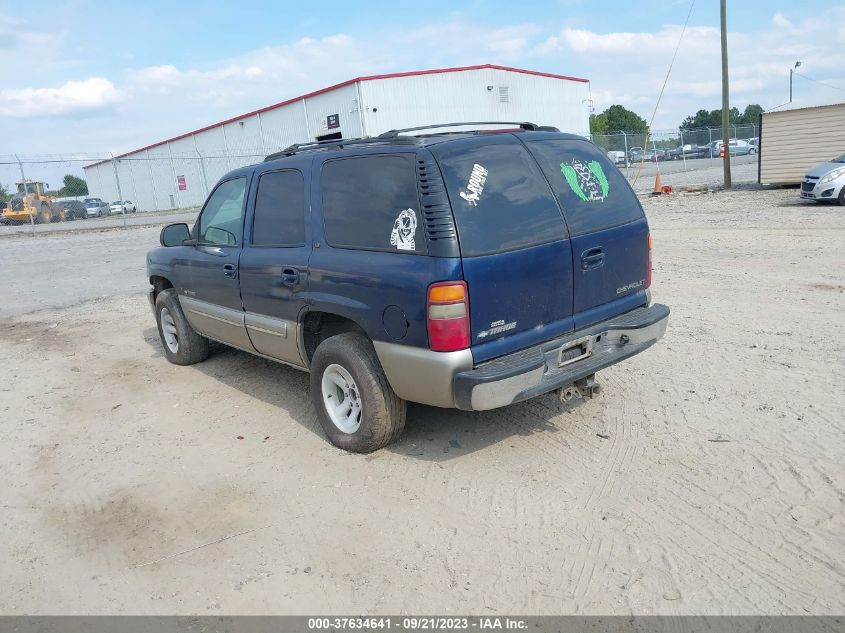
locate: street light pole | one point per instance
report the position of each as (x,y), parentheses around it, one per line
(792,72)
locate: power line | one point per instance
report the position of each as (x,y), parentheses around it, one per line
(819,82)
(662,88)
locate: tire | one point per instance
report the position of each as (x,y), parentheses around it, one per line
(752,151)
(43,215)
(842,196)
(381,413)
(189,347)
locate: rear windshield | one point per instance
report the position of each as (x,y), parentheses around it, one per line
(593,194)
(500,200)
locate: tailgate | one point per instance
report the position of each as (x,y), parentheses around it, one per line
(516,252)
(609,232)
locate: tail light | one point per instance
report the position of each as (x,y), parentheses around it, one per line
(648,265)
(447,315)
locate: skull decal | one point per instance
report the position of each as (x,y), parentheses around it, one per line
(404,229)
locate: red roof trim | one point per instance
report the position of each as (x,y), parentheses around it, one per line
(343,84)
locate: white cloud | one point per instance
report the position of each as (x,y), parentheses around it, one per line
(73,97)
(144,104)
(779,19)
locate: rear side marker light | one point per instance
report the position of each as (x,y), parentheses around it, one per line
(447,316)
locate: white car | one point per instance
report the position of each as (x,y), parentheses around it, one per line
(122,206)
(825,181)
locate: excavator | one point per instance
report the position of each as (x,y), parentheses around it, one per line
(30,201)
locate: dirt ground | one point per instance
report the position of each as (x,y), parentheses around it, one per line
(706,479)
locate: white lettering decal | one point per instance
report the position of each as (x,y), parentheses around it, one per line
(475,185)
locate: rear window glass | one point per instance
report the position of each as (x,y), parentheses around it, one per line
(279,210)
(499,197)
(593,194)
(370,203)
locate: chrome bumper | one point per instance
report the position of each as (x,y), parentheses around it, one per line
(561,362)
(449,379)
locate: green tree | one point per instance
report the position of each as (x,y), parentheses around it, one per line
(712,118)
(751,114)
(73,186)
(617,118)
(5,196)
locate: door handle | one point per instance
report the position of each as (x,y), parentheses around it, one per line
(290,276)
(229,270)
(592,258)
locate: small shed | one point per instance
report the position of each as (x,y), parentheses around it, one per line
(794,139)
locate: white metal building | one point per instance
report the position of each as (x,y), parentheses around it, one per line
(178,172)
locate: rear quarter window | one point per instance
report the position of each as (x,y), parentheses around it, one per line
(499,197)
(593,194)
(371,203)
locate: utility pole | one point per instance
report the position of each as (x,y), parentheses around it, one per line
(726,161)
(119,193)
(23,196)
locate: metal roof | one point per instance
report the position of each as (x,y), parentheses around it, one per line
(349,82)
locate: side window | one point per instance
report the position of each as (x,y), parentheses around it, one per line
(279,210)
(593,194)
(220,221)
(499,197)
(370,203)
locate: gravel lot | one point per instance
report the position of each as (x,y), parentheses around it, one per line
(134,486)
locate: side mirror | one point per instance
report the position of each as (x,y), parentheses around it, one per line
(174,234)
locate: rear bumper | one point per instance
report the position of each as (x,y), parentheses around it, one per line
(451,380)
(538,369)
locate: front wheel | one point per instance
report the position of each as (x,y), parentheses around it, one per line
(842,196)
(182,345)
(355,403)
(752,151)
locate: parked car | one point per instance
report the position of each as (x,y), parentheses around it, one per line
(617,157)
(825,181)
(73,209)
(740,147)
(688,152)
(736,148)
(121,206)
(321,258)
(638,155)
(95,207)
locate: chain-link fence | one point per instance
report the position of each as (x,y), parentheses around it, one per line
(48,189)
(174,178)
(627,148)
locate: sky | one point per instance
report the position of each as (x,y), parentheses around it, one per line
(96,77)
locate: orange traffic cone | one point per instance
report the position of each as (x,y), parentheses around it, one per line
(658,188)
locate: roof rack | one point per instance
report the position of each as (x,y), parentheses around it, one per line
(340,144)
(393,137)
(523,125)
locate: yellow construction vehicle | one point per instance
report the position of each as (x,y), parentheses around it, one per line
(30,201)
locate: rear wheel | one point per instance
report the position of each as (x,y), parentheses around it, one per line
(43,215)
(182,345)
(355,404)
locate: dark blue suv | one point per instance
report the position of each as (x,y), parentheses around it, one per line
(465,269)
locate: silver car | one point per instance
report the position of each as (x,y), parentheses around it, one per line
(825,181)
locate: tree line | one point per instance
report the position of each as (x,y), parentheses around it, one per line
(617,118)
